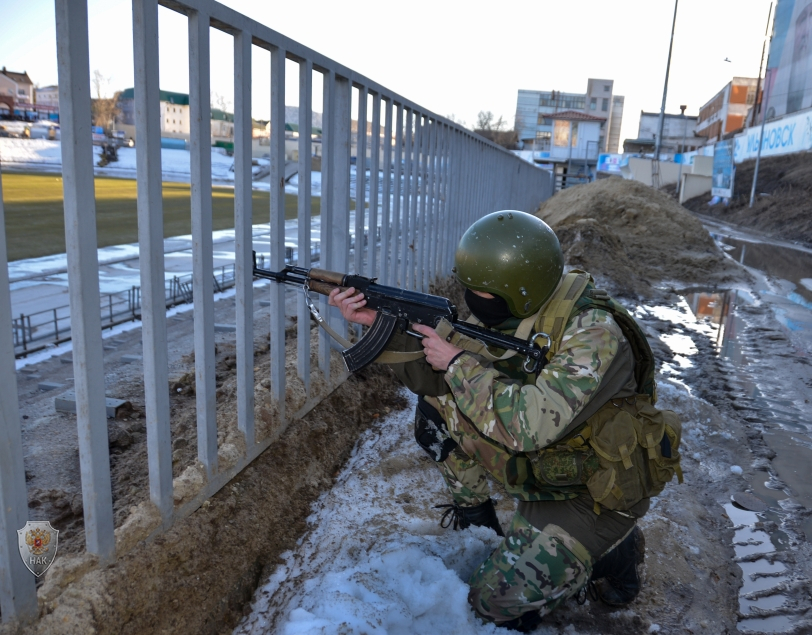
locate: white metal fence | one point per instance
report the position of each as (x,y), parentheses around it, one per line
(437,179)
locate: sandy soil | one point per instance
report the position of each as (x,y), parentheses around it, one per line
(199,576)
(629,237)
(783,206)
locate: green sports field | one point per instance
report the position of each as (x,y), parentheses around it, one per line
(35,223)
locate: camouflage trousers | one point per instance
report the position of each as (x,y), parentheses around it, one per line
(549,550)
(532,570)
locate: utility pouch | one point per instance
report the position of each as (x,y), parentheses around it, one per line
(637,448)
(564,466)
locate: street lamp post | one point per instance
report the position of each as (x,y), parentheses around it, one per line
(665,87)
(682,149)
(763,118)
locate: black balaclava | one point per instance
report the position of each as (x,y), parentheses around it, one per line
(489,311)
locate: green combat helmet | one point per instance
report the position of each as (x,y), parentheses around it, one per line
(513,255)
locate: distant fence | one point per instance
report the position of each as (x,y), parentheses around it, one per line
(34,332)
(437,179)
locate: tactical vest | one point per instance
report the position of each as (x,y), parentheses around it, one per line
(624,452)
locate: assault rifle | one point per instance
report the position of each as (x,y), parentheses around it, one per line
(397,309)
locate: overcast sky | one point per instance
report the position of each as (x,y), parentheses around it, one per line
(451,57)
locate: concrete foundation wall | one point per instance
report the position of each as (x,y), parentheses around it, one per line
(640,170)
(703,166)
(694,185)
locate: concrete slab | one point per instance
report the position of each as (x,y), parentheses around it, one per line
(225,328)
(128,359)
(49,385)
(66,402)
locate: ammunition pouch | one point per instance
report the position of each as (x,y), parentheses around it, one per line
(625,452)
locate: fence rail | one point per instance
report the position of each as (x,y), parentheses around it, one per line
(451,177)
(33,332)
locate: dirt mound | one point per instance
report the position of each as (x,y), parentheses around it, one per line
(783,207)
(634,239)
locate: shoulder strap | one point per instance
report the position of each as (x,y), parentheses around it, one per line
(553,317)
(644,363)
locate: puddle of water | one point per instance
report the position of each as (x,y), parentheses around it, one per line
(774,624)
(756,541)
(762,567)
(768,602)
(784,262)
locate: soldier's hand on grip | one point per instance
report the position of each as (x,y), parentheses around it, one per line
(352,305)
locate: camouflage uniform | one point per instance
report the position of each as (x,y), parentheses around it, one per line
(501,418)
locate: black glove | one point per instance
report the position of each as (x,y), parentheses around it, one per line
(482,515)
(431,432)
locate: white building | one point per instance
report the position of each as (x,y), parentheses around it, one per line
(534,110)
(175,117)
(23,86)
(47,96)
(679,134)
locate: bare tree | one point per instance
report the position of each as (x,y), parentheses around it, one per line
(495,129)
(100,83)
(103,109)
(456,120)
(484,120)
(219,102)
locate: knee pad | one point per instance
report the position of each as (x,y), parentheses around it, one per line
(431,432)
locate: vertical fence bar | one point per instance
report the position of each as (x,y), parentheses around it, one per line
(18,596)
(397,202)
(360,180)
(328,151)
(459,195)
(278,227)
(426,238)
(151,250)
(202,254)
(449,192)
(417,178)
(405,222)
(305,164)
(388,237)
(443,227)
(374,153)
(243,237)
(73,64)
(468,150)
(340,239)
(434,225)
(456,196)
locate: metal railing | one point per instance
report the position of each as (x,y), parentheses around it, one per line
(33,332)
(461,177)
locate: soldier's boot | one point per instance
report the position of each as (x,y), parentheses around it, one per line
(525,623)
(482,515)
(617,571)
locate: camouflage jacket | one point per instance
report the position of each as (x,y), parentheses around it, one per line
(502,417)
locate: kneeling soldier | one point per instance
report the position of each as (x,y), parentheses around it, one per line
(579,444)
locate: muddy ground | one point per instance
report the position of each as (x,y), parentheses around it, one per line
(783,203)
(196,577)
(199,577)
